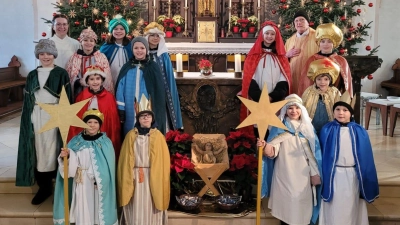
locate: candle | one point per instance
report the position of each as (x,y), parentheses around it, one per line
(243,2)
(238,63)
(259,3)
(186,3)
(154,3)
(179,62)
(230,3)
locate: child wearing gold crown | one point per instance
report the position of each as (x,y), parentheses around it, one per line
(37,152)
(348,169)
(91,168)
(103,100)
(158,52)
(143,172)
(292,167)
(85,57)
(329,37)
(320,96)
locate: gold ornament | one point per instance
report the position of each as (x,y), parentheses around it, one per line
(321,66)
(329,31)
(263,113)
(72,14)
(95,11)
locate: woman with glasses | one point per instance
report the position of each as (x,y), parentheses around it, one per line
(143,173)
(66,46)
(159,53)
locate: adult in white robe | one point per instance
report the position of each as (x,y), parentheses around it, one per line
(65,45)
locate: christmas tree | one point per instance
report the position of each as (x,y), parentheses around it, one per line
(97,13)
(326,11)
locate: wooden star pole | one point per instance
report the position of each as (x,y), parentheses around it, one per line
(263,113)
(63,116)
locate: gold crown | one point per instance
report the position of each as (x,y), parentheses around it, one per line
(330,31)
(94,112)
(347,98)
(153,25)
(321,66)
(143,105)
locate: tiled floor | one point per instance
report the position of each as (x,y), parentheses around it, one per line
(386,153)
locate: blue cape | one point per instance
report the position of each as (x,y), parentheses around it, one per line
(268,168)
(103,162)
(110,51)
(172,95)
(363,157)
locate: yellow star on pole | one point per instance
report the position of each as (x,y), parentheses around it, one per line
(63,115)
(263,113)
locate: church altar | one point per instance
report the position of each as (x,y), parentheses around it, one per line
(209,48)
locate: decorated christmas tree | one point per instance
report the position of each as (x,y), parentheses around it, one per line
(327,11)
(97,13)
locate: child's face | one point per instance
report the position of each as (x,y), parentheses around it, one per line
(326,45)
(342,114)
(269,37)
(139,50)
(88,44)
(293,112)
(119,32)
(46,59)
(154,40)
(94,127)
(322,82)
(94,81)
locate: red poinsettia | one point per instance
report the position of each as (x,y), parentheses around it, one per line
(181,162)
(204,64)
(244,24)
(169,24)
(241,142)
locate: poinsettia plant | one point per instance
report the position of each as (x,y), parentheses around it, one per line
(243,160)
(179,20)
(253,21)
(179,145)
(244,24)
(169,24)
(205,64)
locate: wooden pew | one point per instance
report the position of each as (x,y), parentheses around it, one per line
(11,88)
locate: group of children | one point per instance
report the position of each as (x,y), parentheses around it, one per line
(322,154)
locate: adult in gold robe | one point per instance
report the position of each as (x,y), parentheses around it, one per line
(299,47)
(143,174)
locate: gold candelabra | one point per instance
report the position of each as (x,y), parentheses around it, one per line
(154,12)
(185,32)
(258,17)
(169,9)
(229,33)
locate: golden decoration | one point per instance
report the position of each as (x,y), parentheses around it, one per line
(72,14)
(63,115)
(95,11)
(263,113)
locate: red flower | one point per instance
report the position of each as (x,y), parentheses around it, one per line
(170,136)
(205,64)
(179,163)
(251,162)
(239,161)
(182,137)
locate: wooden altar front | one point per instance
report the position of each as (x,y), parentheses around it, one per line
(209,105)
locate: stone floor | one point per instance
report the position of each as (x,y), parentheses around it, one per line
(15,207)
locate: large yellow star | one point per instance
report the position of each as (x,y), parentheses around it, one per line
(263,113)
(63,115)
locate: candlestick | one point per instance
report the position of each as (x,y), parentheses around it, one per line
(185,32)
(238,63)
(179,62)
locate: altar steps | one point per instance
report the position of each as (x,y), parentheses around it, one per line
(16,209)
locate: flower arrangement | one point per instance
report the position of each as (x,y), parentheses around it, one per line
(243,160)
(244,24)
(169,24)
(234,21)
(253,21)
(179,145)
(161,18)
(205,64)
(179,20)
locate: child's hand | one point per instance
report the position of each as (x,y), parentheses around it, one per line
(64,152)
(260,143)
(315,180)
(269,150)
